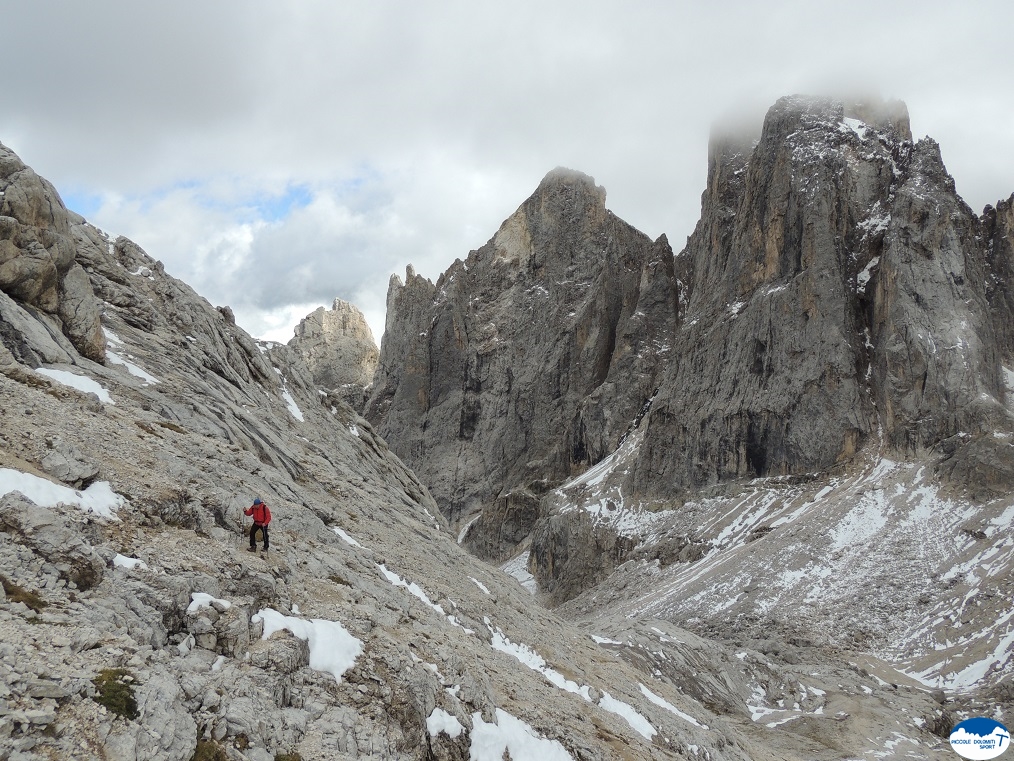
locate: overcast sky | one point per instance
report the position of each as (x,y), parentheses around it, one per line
(276,155)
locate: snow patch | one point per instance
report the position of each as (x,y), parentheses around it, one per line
(518,568)
(441,721)
(99,498)
(490,741)
(200,600)
(80,382)
(122,561)
(332,648)
(636,721)
(663,703)
(479,584)
(291,404)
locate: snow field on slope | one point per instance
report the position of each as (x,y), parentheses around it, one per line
(99,498)
(530,658)
(82,383)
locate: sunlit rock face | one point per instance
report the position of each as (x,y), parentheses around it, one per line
(337,346)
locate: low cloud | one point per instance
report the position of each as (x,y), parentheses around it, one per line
(290,154)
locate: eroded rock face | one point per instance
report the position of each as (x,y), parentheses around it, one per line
(337,345)
(842,302)
(998,234)
(836,290)
(37,257)
(527,361)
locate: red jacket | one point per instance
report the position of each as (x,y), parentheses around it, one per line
(261,514)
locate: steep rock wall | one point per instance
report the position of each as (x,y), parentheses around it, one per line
(836,291)
(839,294)
(528,361)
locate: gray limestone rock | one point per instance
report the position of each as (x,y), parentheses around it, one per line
(37,256)
(337,345)
(527,361)
(59,541)
(835,289)
(840,301)
(281,652)
(67,463)
(998,234)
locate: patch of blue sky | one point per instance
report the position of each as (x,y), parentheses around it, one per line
(275,208)
(245,204)
(82,201)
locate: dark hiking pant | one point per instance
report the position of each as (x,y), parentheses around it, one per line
(253,536)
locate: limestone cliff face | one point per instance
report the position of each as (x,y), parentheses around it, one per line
(528,361)
(37,258)
(836,293)
(840,300)
(337,345)
(998,235)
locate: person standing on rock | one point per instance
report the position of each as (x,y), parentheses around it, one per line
(261,518)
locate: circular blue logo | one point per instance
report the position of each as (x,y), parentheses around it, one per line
(979,738)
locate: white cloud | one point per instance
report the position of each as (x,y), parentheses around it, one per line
(280,155)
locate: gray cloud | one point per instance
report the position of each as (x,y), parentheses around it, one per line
(278,155)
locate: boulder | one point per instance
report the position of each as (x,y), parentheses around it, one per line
(53,537)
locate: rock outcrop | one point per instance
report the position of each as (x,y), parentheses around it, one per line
(527,361)
(337,346)
(38,265)
(836,291)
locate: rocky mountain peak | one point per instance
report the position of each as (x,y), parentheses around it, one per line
(565,299)
(337,346)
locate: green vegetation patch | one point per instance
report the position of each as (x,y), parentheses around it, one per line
(115,690)
(20,594)
(209,750)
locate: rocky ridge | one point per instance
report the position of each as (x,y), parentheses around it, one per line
(134,624)
(526,362)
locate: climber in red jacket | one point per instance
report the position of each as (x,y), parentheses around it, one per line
(261,518)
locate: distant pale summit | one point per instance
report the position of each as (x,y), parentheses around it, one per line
(337,345)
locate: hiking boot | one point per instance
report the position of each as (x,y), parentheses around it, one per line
(264,551)
(251,549)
